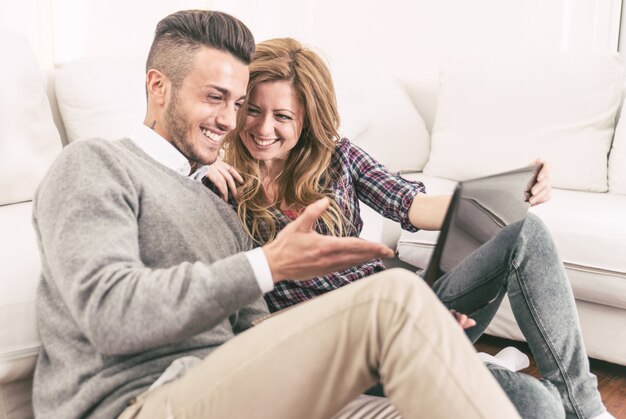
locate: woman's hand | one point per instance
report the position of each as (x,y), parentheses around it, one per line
(224,177)
(541,191)
(464,321)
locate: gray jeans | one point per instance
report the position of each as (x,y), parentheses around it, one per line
(529,270)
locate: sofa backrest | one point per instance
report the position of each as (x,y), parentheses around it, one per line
(491,116)
(497,112)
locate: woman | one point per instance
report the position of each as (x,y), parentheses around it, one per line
(287,148)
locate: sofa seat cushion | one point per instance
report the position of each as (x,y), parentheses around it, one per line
(578,221)
(19,258)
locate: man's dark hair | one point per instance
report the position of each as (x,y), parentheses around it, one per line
(179,35)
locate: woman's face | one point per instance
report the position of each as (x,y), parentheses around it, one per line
(273,123)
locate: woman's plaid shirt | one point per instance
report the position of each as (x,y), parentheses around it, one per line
(355,176)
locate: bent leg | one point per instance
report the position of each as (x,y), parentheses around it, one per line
(317,357)
(543,304)
(529,269)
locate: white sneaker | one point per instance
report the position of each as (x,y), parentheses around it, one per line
(510,358)
(605,415)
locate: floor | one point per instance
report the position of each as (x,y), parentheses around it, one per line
(611,377)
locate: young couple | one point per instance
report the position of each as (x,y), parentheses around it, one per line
(149,285)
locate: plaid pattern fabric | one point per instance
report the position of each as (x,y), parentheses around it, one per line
(354,175)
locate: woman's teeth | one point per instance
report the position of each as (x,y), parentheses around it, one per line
(264,143)
(211,135)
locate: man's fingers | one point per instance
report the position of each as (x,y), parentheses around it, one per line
(311,213)
(344,248)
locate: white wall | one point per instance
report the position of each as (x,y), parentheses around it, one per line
(62,30)
(413,35)
(33,19)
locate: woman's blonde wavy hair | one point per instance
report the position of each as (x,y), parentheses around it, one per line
(305,178)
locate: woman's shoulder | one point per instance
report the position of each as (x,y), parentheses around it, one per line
(343,148)
(348,152)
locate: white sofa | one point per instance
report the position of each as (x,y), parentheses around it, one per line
(97,98)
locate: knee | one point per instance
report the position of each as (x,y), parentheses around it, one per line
(399,284)
(400,279)
(535,240)
(535,228)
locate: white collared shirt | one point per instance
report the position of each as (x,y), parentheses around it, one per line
(165,153)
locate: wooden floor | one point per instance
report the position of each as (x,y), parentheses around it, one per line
(611,377)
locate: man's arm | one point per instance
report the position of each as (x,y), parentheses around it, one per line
(300,253)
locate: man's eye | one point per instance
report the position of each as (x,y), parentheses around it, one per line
(215,97)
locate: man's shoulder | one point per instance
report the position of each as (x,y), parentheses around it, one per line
(85,161)
(93,146)
(94,155)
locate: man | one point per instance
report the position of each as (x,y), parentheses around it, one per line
(149,283)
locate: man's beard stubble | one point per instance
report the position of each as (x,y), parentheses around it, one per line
(178,124)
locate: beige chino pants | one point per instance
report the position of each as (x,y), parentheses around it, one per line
(312,360)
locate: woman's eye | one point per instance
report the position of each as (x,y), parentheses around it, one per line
(283,117)
(252,111)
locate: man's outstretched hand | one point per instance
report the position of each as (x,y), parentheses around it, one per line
(300,253)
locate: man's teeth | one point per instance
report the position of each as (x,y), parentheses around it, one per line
(264,143)
(211,135)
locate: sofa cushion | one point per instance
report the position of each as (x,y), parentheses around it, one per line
(378,114)
(617,158)
(577,221)
(499,112)
(19,258)
(29,140)
(101,98)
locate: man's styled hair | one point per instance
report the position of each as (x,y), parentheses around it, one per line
(179,36)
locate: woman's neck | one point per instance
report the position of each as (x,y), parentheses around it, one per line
(270,170)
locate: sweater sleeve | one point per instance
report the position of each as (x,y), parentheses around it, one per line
(85,215)
(389,195)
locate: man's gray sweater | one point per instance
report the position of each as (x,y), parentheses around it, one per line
(140,266)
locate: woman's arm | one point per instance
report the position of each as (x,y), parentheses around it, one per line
(388,194)
(428,211)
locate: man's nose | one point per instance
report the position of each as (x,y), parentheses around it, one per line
(227,117)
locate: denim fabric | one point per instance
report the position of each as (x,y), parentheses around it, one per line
(525,265)
(533,399)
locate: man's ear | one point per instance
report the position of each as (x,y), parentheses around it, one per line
(157,85)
